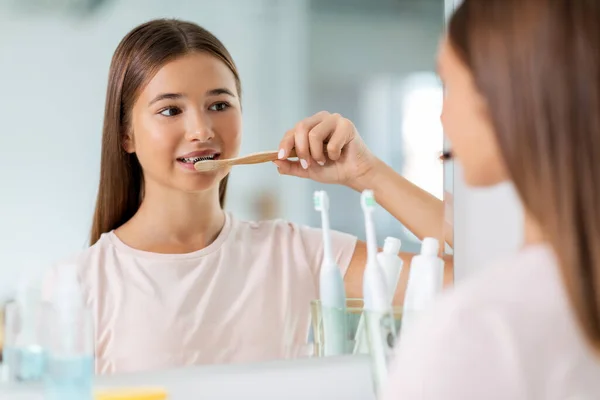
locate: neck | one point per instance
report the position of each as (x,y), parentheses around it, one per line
(173,221)
(533,231)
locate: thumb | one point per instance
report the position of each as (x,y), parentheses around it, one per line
(289,167)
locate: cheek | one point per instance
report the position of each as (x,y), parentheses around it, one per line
(154,140)
(451,119)
(230,128)
(473,143)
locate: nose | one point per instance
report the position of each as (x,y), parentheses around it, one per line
(199,128)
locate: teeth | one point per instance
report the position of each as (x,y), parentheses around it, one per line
(194,160)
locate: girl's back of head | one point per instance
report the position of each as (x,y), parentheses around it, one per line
(536,64)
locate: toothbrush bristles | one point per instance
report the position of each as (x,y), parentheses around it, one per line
(321,201)
(368,199)
(317,201)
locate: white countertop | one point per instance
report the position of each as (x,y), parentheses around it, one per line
(347,377)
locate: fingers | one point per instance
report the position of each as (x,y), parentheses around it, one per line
(314,135)
(302,148)
(301,133)
(294,168)
(339,138)
(317,137)
(286,145)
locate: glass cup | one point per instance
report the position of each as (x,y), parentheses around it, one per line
(355,330)
(352,321)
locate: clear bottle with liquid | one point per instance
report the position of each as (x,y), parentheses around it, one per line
(70,345)
(23,353)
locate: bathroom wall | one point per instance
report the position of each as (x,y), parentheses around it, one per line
(53,77)
(295,58)
(364,56)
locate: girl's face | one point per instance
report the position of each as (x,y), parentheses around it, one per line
(190,109)
(467,124)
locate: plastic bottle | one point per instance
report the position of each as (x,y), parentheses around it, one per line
(391,267)
(391,264)
(23,353)
(425,282)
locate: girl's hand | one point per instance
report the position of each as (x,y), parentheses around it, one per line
(329,150)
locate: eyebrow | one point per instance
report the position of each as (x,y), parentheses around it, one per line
(177,96)
(219,91)
(163,96)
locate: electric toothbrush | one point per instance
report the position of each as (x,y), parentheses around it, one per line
(368,205)
(331,287)
(391,265)
(374,283)
(377,304)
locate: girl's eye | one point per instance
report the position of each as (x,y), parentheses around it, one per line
(219,107)
(170,111)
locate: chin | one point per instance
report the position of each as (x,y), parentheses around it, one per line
(480,180)
(482,172)
(200,182)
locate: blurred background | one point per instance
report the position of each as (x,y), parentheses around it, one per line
(373,61)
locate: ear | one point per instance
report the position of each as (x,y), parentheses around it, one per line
(128,142)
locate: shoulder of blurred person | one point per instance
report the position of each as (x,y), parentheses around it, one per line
(506,332)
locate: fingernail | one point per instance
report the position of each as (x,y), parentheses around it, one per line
(321,163)
(281,154)
(304,164)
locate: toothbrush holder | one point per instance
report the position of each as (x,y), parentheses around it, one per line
(364,332)
(354,321)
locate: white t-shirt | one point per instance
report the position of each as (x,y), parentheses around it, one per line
(508,334)
(246,297)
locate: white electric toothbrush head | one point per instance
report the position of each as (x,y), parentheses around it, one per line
(368,204)
(367,201)
(321,200)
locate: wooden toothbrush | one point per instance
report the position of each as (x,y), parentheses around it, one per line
(254,158)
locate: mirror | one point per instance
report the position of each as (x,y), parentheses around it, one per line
(373,62)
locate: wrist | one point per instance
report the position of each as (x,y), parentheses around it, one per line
(372,178)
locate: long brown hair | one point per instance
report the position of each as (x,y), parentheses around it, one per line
(139,56)
(537,64)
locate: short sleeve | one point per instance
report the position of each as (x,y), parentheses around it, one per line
(342,245)
(455,355)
